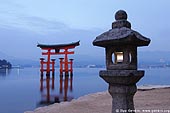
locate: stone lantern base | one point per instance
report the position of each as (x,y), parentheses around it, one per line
(122,87)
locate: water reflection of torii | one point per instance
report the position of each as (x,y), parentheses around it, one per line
(48,98)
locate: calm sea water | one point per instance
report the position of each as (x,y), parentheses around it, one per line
(23,89)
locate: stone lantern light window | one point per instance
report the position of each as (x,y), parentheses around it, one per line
(118,57)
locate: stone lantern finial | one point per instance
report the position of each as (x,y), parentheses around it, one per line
(121,15)
(121,20)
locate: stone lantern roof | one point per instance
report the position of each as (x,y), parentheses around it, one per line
(121,34)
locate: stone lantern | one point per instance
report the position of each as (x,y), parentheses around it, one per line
(121,44)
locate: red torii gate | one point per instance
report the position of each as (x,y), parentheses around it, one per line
(57,50)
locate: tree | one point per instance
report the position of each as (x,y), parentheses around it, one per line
(5,64)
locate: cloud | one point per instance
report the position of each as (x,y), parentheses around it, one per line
(33,23)
(15,15)
(42,24)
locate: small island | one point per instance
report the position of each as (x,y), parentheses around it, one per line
(4,64)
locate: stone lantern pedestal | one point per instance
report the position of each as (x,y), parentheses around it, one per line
(122,87)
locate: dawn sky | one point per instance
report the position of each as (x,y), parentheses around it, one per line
(24,23)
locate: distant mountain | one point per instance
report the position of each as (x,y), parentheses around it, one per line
(144,57)
(25,62)
(154,57)
(89,59)
(5,56)
(19,61)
